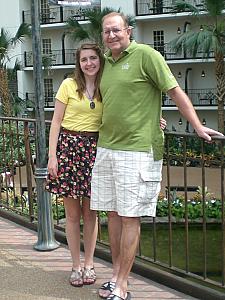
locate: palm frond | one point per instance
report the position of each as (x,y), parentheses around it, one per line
(107,10)
(5,39)
(183,6)
(22,32)
(214,7)
(195,43)
(12,72)
(131,21)
(203,42)
(75,30)
(5,43)
(91,31)
(18,104)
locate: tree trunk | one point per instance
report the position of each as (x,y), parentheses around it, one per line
(4,94)
(220,82)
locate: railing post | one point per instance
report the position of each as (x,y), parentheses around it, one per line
(46,239)
(23,17)
(61,15)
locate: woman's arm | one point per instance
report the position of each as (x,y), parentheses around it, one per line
(54,135)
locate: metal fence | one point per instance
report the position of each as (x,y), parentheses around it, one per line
(58,14)
(156,7)
(188,234)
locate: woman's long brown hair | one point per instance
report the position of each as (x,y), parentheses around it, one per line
(79,75)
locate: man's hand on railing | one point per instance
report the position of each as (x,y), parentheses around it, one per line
(207,133)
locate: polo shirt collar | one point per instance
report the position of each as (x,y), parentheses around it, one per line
(128,50)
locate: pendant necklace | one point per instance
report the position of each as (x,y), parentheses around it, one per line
(92,104)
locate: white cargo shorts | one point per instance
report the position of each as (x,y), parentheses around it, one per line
(126,182)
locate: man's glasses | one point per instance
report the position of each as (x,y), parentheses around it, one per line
(115,31)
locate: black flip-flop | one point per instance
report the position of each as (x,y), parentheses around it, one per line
(107,286)
(115,297)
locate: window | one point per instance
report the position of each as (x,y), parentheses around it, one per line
(48,90)
(157,6)
(45,11)
(46,46)
(158,36)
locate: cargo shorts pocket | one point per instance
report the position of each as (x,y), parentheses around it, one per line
(149,187)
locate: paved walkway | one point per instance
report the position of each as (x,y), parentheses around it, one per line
(29,274)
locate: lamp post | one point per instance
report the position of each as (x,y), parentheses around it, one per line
(186,91)
(46,239)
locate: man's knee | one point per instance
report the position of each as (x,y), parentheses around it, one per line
(131,221)
(113,214)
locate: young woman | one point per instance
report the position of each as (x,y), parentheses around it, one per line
(72,150)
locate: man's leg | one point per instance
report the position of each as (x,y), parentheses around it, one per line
(128,247)
(114,228)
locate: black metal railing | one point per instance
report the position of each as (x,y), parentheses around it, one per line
(62,57)
(156,7)
(54,58)
(49,100)
(188,234)
(58,14)
(169,53)
(199,97)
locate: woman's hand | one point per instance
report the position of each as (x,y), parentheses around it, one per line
(53,166)
(162,123)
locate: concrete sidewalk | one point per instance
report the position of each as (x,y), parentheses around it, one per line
(29,274)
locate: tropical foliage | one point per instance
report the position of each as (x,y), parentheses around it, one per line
(192,152)
(12,145)
(194,208)
(92,31)
(208,40)
(7,42)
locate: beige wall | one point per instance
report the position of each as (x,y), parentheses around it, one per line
(194,178)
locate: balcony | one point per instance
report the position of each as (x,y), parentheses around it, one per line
(158,7)
(57,14)
(56,57)
(169,54)
(49,100)
(67,56)
(199,97)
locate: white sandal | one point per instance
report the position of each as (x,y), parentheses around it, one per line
(76,278)
(89,276)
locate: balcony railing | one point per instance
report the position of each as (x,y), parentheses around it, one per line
(67,56)
(156,7)
(49,100)
(193,182)
(57,14)
(169,54)
(55,58)
(199,97)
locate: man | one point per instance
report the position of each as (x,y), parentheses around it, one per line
(127,173)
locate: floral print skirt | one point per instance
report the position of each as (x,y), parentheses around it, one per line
(76,156)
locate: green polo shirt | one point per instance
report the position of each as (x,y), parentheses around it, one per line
(131,89)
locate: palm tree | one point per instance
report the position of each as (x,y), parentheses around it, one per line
(7,42)
(209,39)
(91,31)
